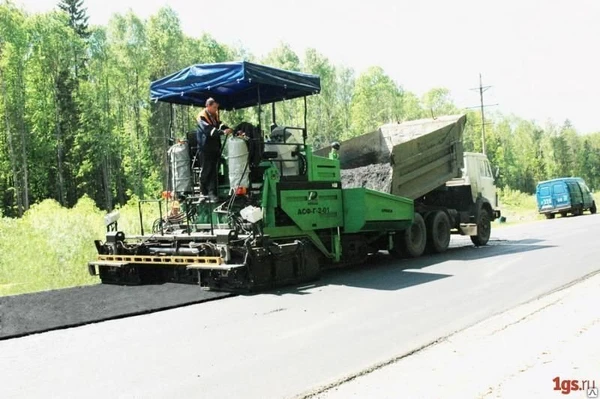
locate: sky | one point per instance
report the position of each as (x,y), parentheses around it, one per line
(540,57)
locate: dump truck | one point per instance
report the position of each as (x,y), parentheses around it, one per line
(423,160)
(283,213)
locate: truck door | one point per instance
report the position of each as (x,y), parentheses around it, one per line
(575,194)
(487,186)
(544,197)
(560,197)
(587,194)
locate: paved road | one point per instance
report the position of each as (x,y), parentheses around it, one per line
(287,343)
(26,314)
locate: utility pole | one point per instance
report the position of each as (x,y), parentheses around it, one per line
(481,90)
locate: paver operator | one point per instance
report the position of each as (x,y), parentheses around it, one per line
(210,130)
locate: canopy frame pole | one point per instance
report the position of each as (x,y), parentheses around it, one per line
(169,142)
(187,118)
(305,131)
(259,112)
(181,119)
(273,113)
(171,111)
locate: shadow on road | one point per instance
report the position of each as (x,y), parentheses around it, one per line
(495,248)
(383,272)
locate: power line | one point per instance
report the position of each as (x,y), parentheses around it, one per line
(481,106)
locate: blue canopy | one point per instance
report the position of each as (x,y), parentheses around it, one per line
(234,85)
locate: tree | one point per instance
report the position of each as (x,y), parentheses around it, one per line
(588,164)
(411,106)
(94,173)
(76,119)
(50,102)
(165,40)
(68,83)
(130,83)
(344,85)
(376,100)
(287,113)
(437,102)
(283,57)
(78,19)
(14,175)
(324,124)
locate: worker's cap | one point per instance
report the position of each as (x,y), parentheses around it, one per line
(335,145)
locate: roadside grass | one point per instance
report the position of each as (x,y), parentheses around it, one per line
(50,246)
(517,207)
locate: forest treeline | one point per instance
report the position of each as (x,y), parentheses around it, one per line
(77,120)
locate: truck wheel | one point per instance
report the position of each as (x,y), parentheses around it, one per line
(438,232)
(551,215)
(413,239)
(563,214)
(484,228)
(593,208)
(578,212)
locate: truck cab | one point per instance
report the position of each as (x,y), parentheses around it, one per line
(477,173)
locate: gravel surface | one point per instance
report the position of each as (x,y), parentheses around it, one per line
(375,177)
(50,310)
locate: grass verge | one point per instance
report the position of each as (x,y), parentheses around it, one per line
(49,247)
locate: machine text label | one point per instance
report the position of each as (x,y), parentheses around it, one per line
(313,211)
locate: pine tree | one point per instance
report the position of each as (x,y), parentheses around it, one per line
(66,86)
(78,19)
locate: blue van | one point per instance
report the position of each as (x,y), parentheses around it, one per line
(564,195)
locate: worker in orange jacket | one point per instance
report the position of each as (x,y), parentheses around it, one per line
(210,130)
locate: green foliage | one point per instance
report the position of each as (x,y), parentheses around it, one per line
(77,119)
(50,245)
(78,19)
(518,207)
(376,100)
(516,199)
(438,102)
(60,240)
(527,153)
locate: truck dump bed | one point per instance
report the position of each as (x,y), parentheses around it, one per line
(408,159)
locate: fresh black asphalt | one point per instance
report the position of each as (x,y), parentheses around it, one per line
(50,310)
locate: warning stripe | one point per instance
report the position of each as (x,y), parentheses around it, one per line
(162,260)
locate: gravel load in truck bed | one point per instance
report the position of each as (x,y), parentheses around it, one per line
(50,310)
(375,177)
